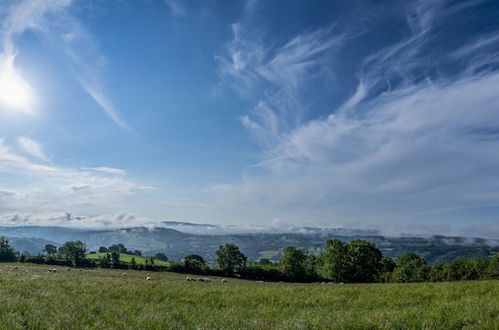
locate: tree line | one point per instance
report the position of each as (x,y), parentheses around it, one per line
(357,261)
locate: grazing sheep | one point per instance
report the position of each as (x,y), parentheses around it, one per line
(203,279)
(148,278)
(341,283)
(189,279)
(69,269)
(259,282)
(80,270)
(223,280)
(124,274)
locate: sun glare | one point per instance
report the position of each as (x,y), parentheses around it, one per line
(15,92)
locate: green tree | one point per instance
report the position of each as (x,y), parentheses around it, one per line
(458,270)
(493,268)
(387,265)
(105,261)
(364,261)
(230,259)
(194,258)
(74,251)
(137,253)
(265,262)
(194,262)
(120,248)
(293,264)
(411,268)
(437,273)
(7,252)
(115,259)
(161,256)
(103,249)
(50,249)
(133,263)
(334,264)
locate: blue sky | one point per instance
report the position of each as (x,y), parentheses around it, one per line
(364,114)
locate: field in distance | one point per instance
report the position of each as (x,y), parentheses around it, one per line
(33,298)
(127,258)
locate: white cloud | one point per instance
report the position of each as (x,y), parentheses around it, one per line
(42,187)
(32,148)
(109,170)
(118,220)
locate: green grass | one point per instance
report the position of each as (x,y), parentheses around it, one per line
(128,258)
(32,298)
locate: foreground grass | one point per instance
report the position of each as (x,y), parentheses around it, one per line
(128,259)
(31,298)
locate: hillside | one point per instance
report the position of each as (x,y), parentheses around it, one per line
(32,298)
(178,244)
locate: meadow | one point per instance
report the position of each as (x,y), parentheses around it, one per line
(127,258)
(32,298)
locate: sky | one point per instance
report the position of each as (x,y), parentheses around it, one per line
(358,114)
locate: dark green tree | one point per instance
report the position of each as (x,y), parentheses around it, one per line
(105,261)
(115,259)
(493,267)
(334,263)
(387,265)
(74,251)
(437,273)
(137,253)
(411,268)
(265,262)
(50,249)
(194,258)
(364,261)
(463,269)
(120,248)
(161,256)
(7,252)
(133,263)
(293,264)
(103,249)
(230,259)
(194,262)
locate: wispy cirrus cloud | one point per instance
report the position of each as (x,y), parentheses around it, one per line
(275,75)
(32,148)
(53,21)
(414,141)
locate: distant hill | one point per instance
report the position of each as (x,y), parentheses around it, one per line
(31,245)
(177,244)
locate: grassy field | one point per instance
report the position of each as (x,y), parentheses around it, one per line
(32,298)
(128,258)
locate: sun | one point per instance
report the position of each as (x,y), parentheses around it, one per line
(15,93)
